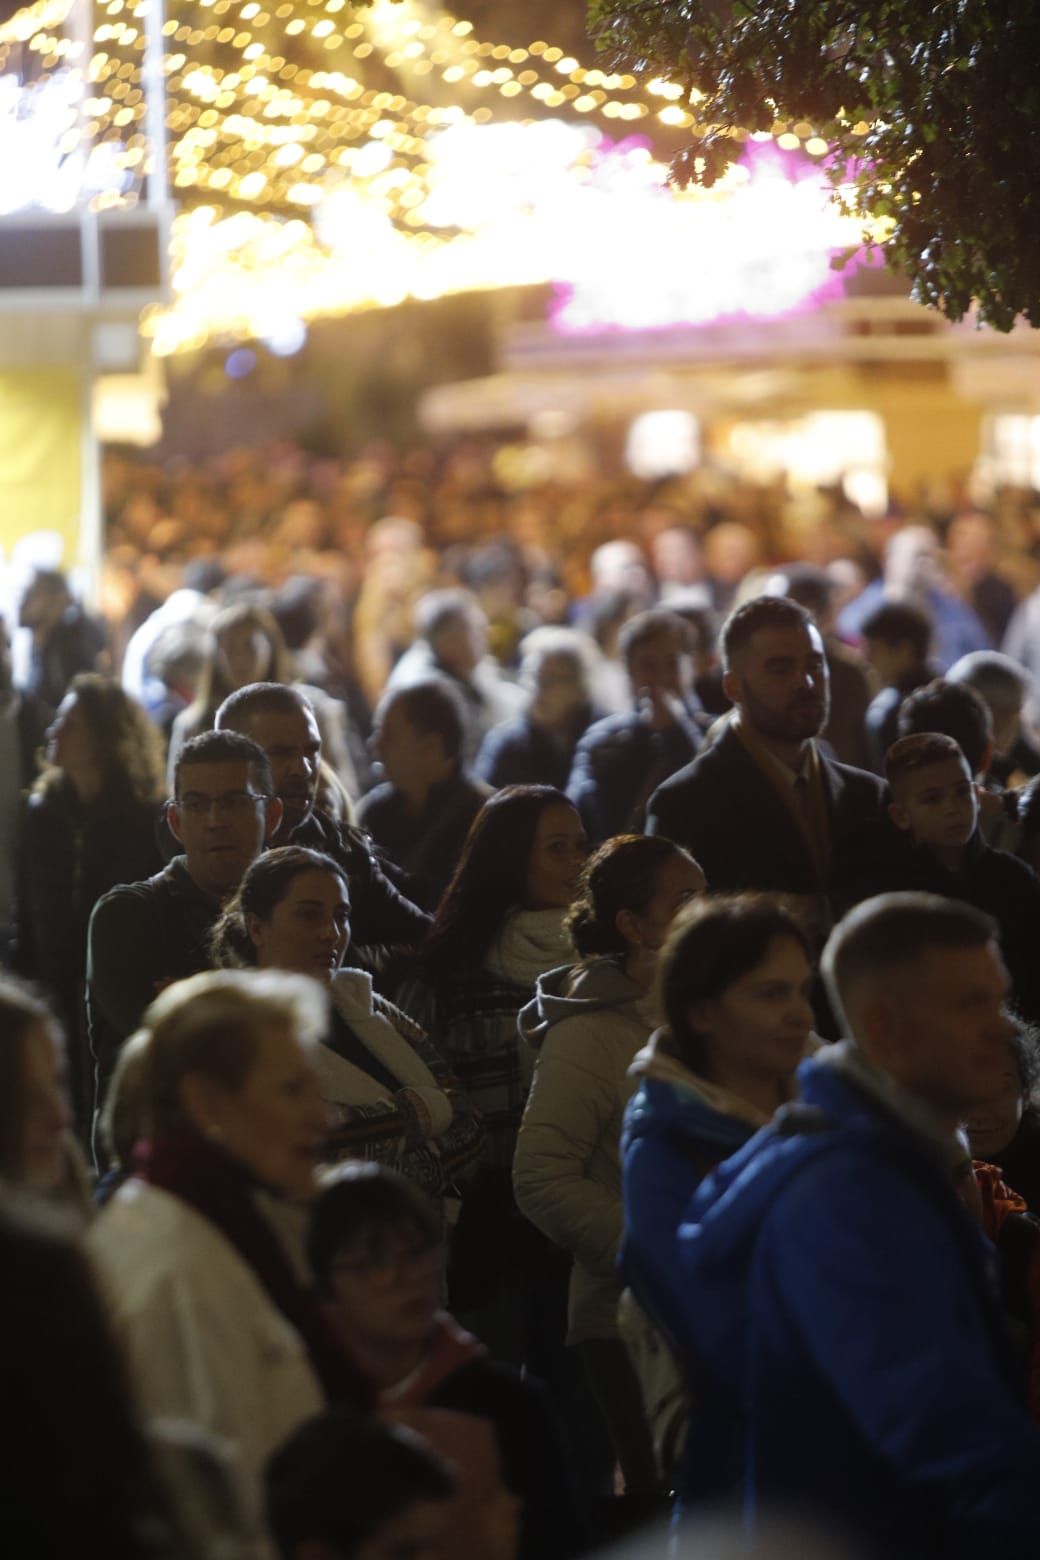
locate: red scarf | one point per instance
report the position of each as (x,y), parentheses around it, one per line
(201,1174)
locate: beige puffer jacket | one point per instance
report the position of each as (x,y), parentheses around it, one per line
(586,1024)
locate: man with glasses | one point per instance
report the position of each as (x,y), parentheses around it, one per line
(144,936)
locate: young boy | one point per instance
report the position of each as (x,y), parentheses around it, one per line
(935,807)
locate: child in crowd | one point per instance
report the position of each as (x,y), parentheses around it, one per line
(376,1252)
(935,808)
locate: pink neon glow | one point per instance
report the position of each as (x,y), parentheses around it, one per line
(759,248)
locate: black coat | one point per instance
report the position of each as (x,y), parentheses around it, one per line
(617,764)
(991,880)
(380,915)
(426,845)
(520,752)
(143,936)
(731,818)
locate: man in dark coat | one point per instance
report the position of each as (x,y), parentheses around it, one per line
(143,936)
(620,760)
(422,812)
(763,807)
(65,640)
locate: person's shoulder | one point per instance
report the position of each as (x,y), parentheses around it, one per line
(1006,870)
(857,782)
(374,802)
(612,730)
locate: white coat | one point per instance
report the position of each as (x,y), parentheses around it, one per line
(205,1342)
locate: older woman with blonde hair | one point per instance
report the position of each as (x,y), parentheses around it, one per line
(219,1329)
(89,824)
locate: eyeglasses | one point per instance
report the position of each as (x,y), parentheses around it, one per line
(228,804)
(383,1271)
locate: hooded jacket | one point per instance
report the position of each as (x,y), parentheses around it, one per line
(586,1024)
(836,1303)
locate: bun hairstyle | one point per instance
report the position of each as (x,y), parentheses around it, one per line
(265,885)
(620,875)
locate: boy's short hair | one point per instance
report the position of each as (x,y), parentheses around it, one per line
(892,932)
(897,623)
(954,709)
(911,754)
(999,680)
(365,1202)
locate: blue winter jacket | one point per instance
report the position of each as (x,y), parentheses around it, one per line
(838,1305)
(670,1141)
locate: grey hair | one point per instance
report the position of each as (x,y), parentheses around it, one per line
(996,678)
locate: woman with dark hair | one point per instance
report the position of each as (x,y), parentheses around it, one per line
(733,988)
(244,645)
(1005,1129)
(37,1152)
(586,1023)
(386,1089)
(498,927)
(89,824)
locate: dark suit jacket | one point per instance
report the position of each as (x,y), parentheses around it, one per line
(616,765)
(731,818)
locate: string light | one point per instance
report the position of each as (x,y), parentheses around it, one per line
(274,109)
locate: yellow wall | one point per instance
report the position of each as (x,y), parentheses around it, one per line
(41,457)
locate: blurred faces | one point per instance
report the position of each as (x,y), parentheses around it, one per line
(939,1027)
(292,742)
(560,691)
(937,805)
(892,662)
(308,930)
(412,760)
(243,655)
(557,856)
(912,560)
(274,1124)
(996,1118)
(659,665)
(759,1027)
(42,605)
(460,644)
(69,743)
(222,821)
(781,684)
(46,1113)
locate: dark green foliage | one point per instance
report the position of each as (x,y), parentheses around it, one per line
(949,91)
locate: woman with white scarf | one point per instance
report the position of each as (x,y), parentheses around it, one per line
(499,926)
(387,1091)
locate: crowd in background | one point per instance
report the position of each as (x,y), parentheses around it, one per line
(422,880)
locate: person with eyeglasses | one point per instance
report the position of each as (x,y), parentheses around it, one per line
(145,935)
(374,1244)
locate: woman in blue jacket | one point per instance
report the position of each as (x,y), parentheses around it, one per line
(734,990)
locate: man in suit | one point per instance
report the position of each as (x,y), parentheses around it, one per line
(763,807)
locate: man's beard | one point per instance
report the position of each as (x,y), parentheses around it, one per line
(788,725)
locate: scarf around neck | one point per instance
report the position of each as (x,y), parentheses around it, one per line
(215,1185)
(530,943)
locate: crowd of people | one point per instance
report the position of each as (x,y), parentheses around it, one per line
(501,1037)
